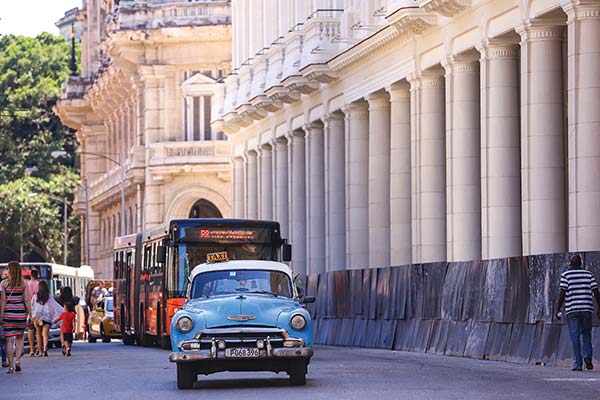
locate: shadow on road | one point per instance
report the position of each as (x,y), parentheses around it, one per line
(244,383)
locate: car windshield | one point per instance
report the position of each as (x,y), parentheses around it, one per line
(109,304)
(216,283)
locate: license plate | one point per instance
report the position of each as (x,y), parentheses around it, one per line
(244,352)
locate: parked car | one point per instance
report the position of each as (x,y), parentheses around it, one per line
(241,316)
(101,323)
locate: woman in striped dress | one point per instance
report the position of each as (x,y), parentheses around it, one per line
(14,311)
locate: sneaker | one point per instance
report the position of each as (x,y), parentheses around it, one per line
(577,369)
(4,364)
(588,364)
(64,351)
(68,353)
(17,367)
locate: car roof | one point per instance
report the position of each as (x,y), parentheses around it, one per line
(241,264)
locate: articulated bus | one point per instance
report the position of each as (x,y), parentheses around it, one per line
(57,275)
(151,268)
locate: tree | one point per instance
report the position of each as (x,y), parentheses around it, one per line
(31,73)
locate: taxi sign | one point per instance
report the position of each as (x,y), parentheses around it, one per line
(217,257)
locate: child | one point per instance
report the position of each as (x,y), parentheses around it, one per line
(68,324)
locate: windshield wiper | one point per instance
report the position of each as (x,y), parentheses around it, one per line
(264,292)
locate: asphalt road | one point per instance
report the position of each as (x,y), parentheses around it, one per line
(114,371)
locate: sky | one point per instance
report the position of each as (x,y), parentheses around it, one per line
(31,17)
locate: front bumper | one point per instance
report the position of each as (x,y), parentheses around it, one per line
(205,355)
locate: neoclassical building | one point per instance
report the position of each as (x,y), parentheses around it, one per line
(142,109)
(388,132)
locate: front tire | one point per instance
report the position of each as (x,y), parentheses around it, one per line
(185,377)
(105,339)
(297,374)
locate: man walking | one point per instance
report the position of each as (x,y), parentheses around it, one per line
(576,288)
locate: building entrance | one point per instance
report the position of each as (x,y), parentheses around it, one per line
(204,209)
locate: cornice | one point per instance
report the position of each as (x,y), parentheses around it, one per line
(365,47)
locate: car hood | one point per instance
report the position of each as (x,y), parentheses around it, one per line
(222,311)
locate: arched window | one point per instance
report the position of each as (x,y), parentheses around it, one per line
(204,209)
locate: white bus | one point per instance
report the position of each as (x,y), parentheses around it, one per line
(57,275)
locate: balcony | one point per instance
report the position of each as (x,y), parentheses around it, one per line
(131,16)
(293,80)
(188,154)
(321,43)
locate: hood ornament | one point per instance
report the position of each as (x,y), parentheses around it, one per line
(241,318)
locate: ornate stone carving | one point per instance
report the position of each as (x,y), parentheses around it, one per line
(412,19)
(447,8)
(300,83)
(282,94)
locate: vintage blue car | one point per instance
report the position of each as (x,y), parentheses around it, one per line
(241,316)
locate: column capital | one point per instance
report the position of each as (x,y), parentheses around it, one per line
(357,109)
(310,126)
(458,63)
(378,100)
(540,30)
(332,116)
(296,135)
(429,78)
(398,91)
(498,48)
(581,9)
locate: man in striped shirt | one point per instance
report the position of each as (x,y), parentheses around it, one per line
(576,289)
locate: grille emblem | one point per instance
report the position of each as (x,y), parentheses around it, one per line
(241,318)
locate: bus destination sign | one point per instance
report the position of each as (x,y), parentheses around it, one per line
(227,234)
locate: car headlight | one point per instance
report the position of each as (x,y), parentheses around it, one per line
(298,322)
(184,324)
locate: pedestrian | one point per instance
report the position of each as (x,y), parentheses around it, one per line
(67,327)
(66,296)
(2,341)
(577,286)
(14,310)
(32,289)
(45,309)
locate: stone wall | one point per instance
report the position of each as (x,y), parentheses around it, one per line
(501,309)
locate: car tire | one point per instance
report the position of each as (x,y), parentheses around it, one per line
(91,339)
(297,374)
(128,340)
(105,339)
(185,377)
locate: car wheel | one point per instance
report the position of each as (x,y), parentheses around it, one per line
(91,339)
(297,374)
(185,377)
(128,340)
(105,339)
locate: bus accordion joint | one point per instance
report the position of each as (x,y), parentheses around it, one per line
(217,257)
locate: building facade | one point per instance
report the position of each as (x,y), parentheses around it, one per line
(393,132)
(142,109)
(69,26)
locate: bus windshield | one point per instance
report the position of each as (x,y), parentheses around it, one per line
(217,283)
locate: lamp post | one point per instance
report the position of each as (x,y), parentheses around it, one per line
(65,220)
(121,165)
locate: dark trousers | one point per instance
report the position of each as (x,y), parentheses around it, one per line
(580,329)
(3,349)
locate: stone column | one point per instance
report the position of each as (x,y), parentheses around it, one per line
(266,182)
(281,185)
(428,164)
(315,189)
(335,192)
(153,202)
(400,202)
(583,59)
(95,256)
(500,150)
(357,185)
(298,202)
(238,187)
(542,139)
(251,185)
(379,179)
(463,161)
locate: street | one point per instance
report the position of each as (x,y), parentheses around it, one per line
(116,371)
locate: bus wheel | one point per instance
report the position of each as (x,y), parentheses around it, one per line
(128,340)
(91,339)
(186,376)
(165,342)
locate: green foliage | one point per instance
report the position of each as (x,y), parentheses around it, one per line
(31,73)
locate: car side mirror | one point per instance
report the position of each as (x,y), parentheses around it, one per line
(308,300)
(286,252)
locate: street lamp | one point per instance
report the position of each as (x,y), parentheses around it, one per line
(65,225)
(59,153)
